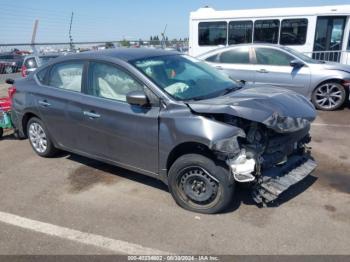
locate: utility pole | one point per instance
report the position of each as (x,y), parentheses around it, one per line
(35,29)
(70,32)
(163,42)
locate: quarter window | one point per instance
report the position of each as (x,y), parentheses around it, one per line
(67,76)
(266,31)
(212,33)
(293,31)
(213,58)
(110,82)
(269,56)
(41,75)
(236,56)
(240,32)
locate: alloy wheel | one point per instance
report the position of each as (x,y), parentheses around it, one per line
(329,96)
(37,137)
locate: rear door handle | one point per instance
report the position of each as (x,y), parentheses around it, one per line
(91,114)
(219,67)
(44,103)
(263,71)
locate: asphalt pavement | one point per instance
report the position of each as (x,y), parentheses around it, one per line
(74,205)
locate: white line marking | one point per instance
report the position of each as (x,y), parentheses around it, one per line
(114,245)
(331,125)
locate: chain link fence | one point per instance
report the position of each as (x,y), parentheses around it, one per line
(13,57)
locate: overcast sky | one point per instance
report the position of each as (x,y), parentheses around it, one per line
(104,20)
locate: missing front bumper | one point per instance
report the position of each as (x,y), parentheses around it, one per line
(277,180)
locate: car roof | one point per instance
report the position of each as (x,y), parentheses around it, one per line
(126,54)
(217,50)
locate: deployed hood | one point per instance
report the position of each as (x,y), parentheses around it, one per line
(278,109)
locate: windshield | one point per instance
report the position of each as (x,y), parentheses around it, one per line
(185,78)
(301,56)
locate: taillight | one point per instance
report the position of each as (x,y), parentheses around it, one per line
(11,91)
(24,71)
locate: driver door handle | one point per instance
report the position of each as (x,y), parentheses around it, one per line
(91,114)
(262,71)
(219,67)
(44,103)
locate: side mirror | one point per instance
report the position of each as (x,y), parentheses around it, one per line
(10,81)
(296,63)
(138,98)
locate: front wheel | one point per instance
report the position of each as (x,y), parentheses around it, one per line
(39,138)
(329,96)
(198,184)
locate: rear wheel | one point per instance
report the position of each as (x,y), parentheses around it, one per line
(1,132)
(329,96)
(39,138)
(198,184)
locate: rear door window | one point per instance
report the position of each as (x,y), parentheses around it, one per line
(67,76)
(235,56)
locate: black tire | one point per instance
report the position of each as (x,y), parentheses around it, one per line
(321,98)
(45,151)
(1,132)
(199,184)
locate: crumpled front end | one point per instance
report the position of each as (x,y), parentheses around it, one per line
(271,160)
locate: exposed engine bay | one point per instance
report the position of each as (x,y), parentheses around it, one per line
(269,160)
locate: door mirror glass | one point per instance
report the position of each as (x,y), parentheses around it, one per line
(296,63)
(138,98)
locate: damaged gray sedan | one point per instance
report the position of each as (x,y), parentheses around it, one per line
(172,117)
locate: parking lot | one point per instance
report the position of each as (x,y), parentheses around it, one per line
(74,205)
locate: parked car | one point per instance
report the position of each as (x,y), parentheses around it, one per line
(326,84)
(32,62)
(171,117)
(7,67)
(10,62)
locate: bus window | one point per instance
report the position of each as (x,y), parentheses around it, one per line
(266,31)
(329,37)
(293,31)
(240,32)
(212,33)
(329,33)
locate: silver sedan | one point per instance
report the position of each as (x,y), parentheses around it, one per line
(326,84)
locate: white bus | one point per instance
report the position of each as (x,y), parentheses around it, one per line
(321,32)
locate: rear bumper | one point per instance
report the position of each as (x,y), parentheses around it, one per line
(17,123)
(278,179)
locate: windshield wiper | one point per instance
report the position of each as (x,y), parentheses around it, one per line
(216,94)
(230,89)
